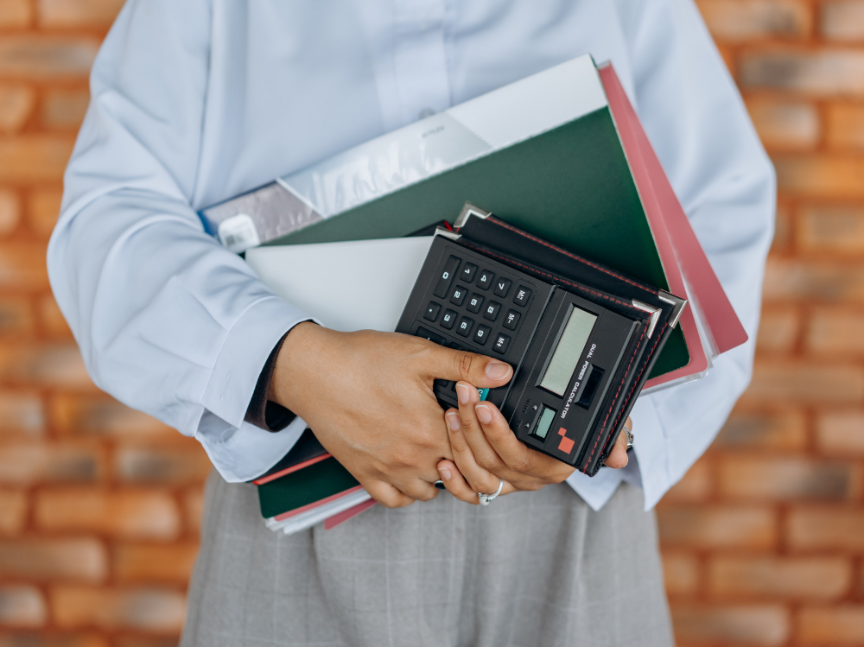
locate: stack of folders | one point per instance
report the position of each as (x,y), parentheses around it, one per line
(560,155)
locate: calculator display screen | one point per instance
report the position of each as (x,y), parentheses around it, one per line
(568,351)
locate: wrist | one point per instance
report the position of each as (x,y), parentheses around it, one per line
(292,360)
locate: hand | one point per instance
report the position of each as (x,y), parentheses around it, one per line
(368,397)
(485,449)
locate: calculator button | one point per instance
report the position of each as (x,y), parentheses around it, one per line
(447,273)
(485,280)
(455,346)
(491,311)
(482,334)
(465,326)
(502,287)
(468,272)
(475,303)
(441,384)
(432,311)
(501,343)
(457,296)
(522,295)
(448,319)
(431,336)
(511,320)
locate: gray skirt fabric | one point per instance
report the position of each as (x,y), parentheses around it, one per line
(533,568)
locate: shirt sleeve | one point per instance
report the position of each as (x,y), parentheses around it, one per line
(167,320)
(699,127)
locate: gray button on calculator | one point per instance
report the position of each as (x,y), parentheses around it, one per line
(446,277)
(457,296)
(448,319)
(465,326)
(475,303)
(502,287)
(485,279)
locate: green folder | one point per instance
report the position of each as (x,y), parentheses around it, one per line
(571,186)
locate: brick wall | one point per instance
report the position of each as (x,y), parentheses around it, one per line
(763,540)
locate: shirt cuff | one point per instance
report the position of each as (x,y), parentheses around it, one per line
(262,412)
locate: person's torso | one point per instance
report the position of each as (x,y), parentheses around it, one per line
(293,83)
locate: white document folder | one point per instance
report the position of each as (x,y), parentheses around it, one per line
(358,285)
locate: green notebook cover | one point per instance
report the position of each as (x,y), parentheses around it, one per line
(308,485)
(571,186)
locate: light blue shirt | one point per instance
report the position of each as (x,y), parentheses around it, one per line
(194,102)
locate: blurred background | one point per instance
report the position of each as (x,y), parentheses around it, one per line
(763,540)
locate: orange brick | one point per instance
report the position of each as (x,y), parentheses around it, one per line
(680,573)
(145,563)
(787,279)
(717,527)
(53,323)
(783,430)
(146,609)
(830,626)
(845,126)
(81,559)
(841,433)
(144,641)
(30,463)
(47,57)
(21,414)
(743,20)
(10,211)
(34,158)
(131,514)
(824,73)
(820,176)
(782,382)
(170,465)
(78,13)
(795,578)
(13,511)
(22,606)
(783,229)
(43,208)
(193,507)
(43,639)
(15,13)
(835,331)
(826,528)
(843,20)
(784,124)
(786,478)
(44,364)
(16,104)
(100,416)
(697,484)
(65,108)
(778,330)
(22,266)
(831,229)
(750,625)
(16,317)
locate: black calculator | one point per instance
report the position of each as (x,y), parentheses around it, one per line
(569,354)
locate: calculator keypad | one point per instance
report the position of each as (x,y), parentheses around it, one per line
(481,303)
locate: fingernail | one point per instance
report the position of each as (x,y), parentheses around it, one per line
(445,473)
(453,421)
(484,413)
(463,393)
(496,370)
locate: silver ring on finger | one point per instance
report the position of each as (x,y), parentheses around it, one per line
(629,438)
(486,499)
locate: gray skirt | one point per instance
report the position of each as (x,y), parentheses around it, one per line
(533,568)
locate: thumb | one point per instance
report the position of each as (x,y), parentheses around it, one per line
(478,370)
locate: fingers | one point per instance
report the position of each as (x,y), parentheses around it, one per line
(618,456)
(483,372)
(456,484)
(476,478)
(483,452)
(387,495)
(539,469)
